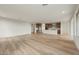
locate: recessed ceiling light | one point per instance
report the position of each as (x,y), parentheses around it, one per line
(63,12)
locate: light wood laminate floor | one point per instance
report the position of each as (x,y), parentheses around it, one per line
(37,44)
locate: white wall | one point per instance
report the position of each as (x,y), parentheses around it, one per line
(76,38)
(12,28)
(48,31)
(65,28)
(77,26)
(72,28)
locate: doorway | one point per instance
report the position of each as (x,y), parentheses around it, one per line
(36,28)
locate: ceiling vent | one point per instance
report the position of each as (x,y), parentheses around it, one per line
(44,4)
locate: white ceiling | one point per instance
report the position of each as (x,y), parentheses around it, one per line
(37,12)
